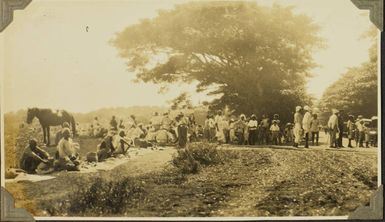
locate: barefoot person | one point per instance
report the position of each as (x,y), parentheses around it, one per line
(32,157)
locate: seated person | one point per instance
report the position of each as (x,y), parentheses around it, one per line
(67,153)
(106,147)
(119,142)
(163,137)
(32,157)
(59,134)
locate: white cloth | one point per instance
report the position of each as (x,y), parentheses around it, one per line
(67,148)
(333,121)
(297,127)
(306,122)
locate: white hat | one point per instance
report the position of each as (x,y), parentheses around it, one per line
(298,108)
(335,111)
(307,108)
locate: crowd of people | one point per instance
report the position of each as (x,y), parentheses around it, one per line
(221,128)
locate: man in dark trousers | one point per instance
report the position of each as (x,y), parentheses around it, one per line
(340,127)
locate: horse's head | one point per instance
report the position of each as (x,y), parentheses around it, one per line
(31,113)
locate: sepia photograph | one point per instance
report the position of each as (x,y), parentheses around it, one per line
(262,109)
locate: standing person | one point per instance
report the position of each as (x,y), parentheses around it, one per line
(314,128)
(182,130)
(340,127)
(333,129)
(350,127)
(278,121)
(361,132)
(96,126)
(219,126)
(114,123)
(356,131)
(275,130)
(264,130)
(32,157)
(297,126)
(232,136)
(306,124)
(226,130)
(252,126)
(240,128)
(206,128)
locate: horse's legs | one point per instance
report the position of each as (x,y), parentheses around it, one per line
(48,136)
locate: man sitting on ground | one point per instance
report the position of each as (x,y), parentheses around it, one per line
(32,157)
(67,153)
(106,147)
(120,143)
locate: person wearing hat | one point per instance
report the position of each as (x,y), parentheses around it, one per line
(351,128)
(297,126)
(360,131)
(306,123)
(333,128)
(275,130)
(32,157)
(59,134)
(240,129)
(252,126)
(67,153)
(278,121)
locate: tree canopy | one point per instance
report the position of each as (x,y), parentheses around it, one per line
(356,91)
(254,59)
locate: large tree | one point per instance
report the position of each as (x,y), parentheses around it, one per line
(356,90)
(254,59)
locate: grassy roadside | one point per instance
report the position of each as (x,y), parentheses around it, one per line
(250,182)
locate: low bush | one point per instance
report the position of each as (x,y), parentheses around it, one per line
(190,159)
(104,198)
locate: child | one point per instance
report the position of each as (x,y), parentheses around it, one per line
(289,133)
(350,126)
(274,128)
(314,128)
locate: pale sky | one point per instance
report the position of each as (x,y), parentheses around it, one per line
(50,60)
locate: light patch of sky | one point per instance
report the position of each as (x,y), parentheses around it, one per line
(50,60)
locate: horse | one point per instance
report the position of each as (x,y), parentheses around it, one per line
(49,117)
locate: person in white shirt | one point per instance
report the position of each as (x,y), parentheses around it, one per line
(67,153)
(297,126)
(275,130)
(333,128)
(252,126)
(306,123)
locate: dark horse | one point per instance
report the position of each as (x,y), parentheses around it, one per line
(48,117)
